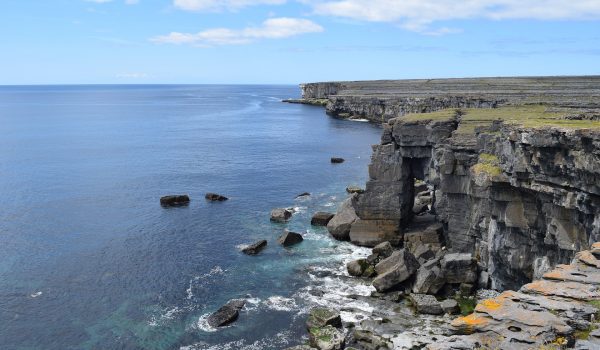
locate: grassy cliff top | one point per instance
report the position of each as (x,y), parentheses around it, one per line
(534,116)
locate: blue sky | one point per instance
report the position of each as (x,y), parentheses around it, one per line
(293,41)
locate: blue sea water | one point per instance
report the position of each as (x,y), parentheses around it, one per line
(90,260)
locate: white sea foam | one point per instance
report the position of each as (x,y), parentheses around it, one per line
(202,324)
(36,294)
(217,270)
(165,316)
(280,303)
(280,340)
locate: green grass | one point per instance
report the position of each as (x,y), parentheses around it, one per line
(530,116)
(466,305)
(442,115)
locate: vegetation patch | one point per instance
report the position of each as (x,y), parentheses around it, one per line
(486,169)
(466,305)
(441,115)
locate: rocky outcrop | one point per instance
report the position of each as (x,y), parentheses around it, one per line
(215,197)
(380,101)
(226,313)
(289,238)
(560,310)
(339,226)
(321,218)
(255,248)
(281,215)
(516,190)
(175,200)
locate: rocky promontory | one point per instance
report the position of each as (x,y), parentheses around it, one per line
(479,184)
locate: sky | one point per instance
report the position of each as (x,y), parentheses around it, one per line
(293,41)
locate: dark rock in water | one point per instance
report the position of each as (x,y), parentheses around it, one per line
(175,200)
(281,215)
(426,304)
(321,317)
(255,248)
(227,313)
(300,347)
(336,160)
(304,194)
(289,238)
(339,226)
(326,338)
(383,250)
(391,272)
(354,189)
(215,197)
(450,306)
(321,218)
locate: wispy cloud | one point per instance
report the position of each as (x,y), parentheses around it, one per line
(419,15)
(272,28)
(132,75)
(219,5)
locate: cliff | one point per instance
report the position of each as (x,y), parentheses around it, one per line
(478,184)
(382,100)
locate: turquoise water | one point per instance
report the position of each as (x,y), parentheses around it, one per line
(90,260)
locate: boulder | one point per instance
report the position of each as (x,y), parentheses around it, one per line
(227,313)
(321,317)
(370,340)
(426,304)
(354,189)
(214,197)
(326,338)
(289,238)
(336,160)
(175,200)
(255,248)
(399,267)
(459,268)
(304,194)
(383,250)
(321,218)
(281,215)
(360,268)
(450,306)
(339,226)
(429,279)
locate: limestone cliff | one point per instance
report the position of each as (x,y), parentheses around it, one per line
(512,166)
(382,100)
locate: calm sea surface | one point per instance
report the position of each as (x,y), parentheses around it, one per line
(90,260)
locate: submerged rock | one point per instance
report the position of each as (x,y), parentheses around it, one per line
(214,197)
(255,248)
(174,200)
(321,218)
(226,313)
(289,238)
(304,194)
(336,160)
(339,226)
(281,215)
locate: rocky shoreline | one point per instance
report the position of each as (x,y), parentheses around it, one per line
(465,204)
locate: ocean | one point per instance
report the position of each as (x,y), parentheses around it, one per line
(90,260)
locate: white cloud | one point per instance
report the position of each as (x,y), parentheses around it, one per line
(218,5)
(132,75)
(272,28)
(418,15)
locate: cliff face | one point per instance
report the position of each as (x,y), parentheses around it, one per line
(380,101)
(518,197)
